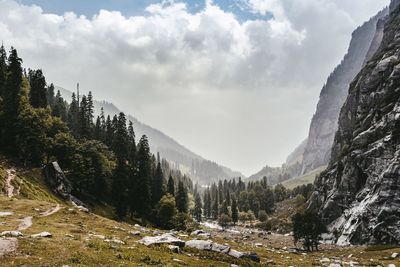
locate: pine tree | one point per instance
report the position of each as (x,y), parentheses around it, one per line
(144,176)
(181,198)
(90,110)
(120,181)
(97,129)
(207,203)
(59,107)
(197,207)
(12,98)
(171,186)
(50,95)
(3,70)
(157,190)
(215,208)
(72,119)
(109,131)
(37,93)
(234,210)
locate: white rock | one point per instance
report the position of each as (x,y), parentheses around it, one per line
(395,255)
(114,240)
(42,234)
(6,213)
(199,244)
(134,233)
(220,248)
(391,265)
(335,265)
(11,233)
(174,249)
(324,260)
(162,239)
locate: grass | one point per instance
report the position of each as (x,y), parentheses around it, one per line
(73,243)
(304,179)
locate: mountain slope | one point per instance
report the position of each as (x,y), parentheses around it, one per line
(201,170)
(365,40)
(359,193)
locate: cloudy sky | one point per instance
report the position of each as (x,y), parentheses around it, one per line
(236,81)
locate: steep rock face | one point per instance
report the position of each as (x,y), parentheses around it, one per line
(365,40)
(359,194)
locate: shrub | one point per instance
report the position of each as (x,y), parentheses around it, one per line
(308,228)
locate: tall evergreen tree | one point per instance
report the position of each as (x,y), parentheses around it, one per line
(37,93)
(171,186)
(59,107)
(181,198)
(144,176)
(50,95)
(234,210)
(120,182)
(12,98)
(73,114)
(157,187)
(197,207)
(3,70)
(215,207)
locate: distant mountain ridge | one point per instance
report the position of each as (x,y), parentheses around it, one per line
(201,170)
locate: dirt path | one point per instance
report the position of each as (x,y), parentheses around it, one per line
(8,185)
(51,211)
(25,223)
(7,245)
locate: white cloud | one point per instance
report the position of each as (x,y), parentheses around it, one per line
(211,81)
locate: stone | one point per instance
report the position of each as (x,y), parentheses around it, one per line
(334,265)
(391,265)
(220,248)
(6,213)
(394,255)
(174,249)
(114,240)
(199,244)
(42,234)
(134,233)
(250,256)
(324,260)
(162,239)
(55,177)
(11,234)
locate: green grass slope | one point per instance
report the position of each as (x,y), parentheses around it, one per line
(307,178)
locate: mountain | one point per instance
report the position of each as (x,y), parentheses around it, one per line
(201,170)
(359,193)
(365,40)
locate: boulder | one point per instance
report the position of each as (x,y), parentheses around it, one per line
(11,234)
(220,248)
(174,249)
(199,244)
(55,177)
(134,233)
(201,233)
(250,256)
(162,239)
(114,240)
(42,234)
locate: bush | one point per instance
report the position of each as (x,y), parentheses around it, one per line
(262,215)
(266,225)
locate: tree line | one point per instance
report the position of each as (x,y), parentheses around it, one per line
(100,156)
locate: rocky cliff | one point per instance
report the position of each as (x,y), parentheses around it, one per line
(365,40)
(359,193)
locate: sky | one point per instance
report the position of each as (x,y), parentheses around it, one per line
(236,82)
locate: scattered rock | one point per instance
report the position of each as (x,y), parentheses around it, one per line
(97,236)
(6,213)
(335,265)
(114,240)
(199,244)
(162,239)
(42,234)
(201,233)
(7,245)
(395,255)
(11,234)
(391,265)
(324,260)
(174,249)
(134,233)
(220,248)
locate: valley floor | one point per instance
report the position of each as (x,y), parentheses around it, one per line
(79,238)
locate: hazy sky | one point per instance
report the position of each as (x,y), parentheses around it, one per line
(234,81)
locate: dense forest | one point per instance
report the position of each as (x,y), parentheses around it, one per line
(102,160)
(99,156)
